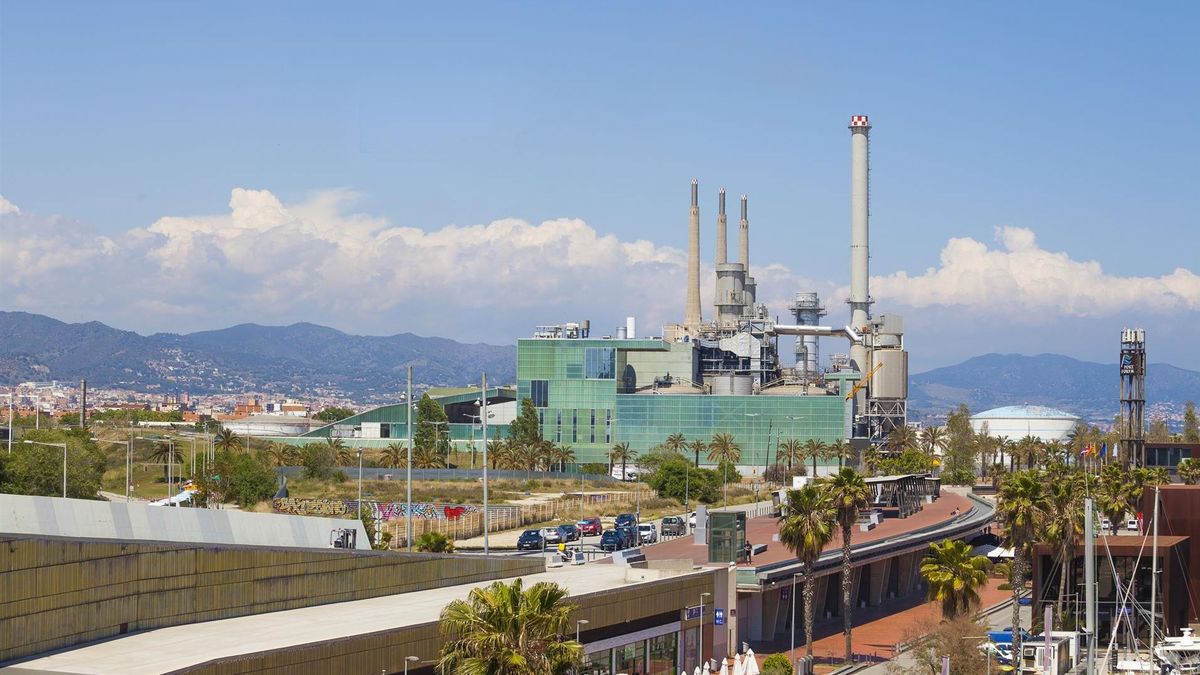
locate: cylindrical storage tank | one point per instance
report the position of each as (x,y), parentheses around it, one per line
(621,333)
(731,279)
(732,384)
(891,380)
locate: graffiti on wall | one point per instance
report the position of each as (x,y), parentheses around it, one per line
(380,510)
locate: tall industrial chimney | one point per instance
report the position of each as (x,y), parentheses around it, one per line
(750,288)
(860,297)
(691,316)
(722,238)
(82,403)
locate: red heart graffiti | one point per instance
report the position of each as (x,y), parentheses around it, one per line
(453,512)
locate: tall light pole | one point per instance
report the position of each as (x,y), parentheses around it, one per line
(360,454)
(64,447)
(128,452)
(408,660)
(10,416)
(408,416)
(484,414)
(578,623)
(701,642)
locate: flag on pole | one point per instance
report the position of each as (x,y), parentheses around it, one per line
(1103,449)
(1087,450)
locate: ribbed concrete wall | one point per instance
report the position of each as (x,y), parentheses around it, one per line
(60,592)
(58,517)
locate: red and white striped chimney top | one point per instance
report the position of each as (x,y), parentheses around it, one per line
(859,121)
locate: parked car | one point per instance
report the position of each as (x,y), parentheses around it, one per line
(629,535)
(1131,525)
(568,532)
(612,540)
(551,535)
(672,526)
(590,527)
(647,533)
(531,540)
(626,520)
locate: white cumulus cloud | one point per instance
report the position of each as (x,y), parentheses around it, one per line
(1020,275)
(7,207)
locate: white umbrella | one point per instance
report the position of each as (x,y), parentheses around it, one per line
(751,663)
(737,665)
(697,671)
(707,668)
(724,667)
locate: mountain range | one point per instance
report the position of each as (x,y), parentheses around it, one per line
(302,358)
(307,359)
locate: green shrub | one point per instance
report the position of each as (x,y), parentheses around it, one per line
(776,664)
(435,542)
(676,479)
(1005,586)
(319,461)
(959,477)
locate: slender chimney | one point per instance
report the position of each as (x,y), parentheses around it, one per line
(860,297)
(744,239)
(82,403)
(722,238)
(691,317)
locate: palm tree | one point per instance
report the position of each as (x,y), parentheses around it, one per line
(1021,504)
(497,452)
(434,542)
(722,448)
(620,453)
(806,529)
(676,442)
(395,455)
(425,457)
(167,454)
(281,454)
(1189,470)
(506,629)
(900,439)
(696,447)
(226,440)
(563,455)
(814,448)
(1064,522)
(934,440)
(346,456)
(791,450)
(840,449)
(954,575)
(850,494)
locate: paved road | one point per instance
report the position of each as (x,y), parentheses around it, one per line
(504,543)
(996,620)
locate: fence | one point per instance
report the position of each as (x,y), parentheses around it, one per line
(379,473)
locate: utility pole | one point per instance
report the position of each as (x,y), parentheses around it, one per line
(408,529)
(1089,584)
(484,415)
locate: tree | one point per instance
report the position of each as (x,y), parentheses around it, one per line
(814,449)
(806,528)
(333,414)
(506,629)
(319,461)
(900,439)
(1020,504)
(934,440)
(840,449)
(395,455)
(723,448)
(931,640)
(1191,428)
(432,430)
(777,664)
(676,479)
(427,457)
(282,454)
(1189,471)
(791,450)
(526,429)
(435,542)
(676,442)
(1158,432)
(961,443)
(168,455)
(621,453)
(1063,522)
(38,469)
(237,477)
(850,494)
(954,576)
(696,447)
(225,439)
(562,455)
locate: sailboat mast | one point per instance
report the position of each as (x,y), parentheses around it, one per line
(1154,577)
(1089,584)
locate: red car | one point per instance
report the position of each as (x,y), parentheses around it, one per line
(590,527)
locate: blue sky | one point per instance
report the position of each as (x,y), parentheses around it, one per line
(1069,120)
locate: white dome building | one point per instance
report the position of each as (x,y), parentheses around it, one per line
(1018,421)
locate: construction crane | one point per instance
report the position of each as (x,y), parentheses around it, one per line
(863,382)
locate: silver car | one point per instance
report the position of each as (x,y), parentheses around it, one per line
(647,533)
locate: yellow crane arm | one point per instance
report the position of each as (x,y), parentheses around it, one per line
(863,382)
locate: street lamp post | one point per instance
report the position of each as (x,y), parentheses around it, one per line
(701,641)
(64,447)
(408,660)
(484,415)
(408,417)
(10,416)
(360,454)
(580,622)
(128,453)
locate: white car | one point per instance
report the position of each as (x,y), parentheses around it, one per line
(647,533)
(1131,525)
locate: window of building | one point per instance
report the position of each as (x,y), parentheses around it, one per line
(574,426)
(558,427)
(539,393)
(599,663)
(661,654)
(600,363)
(630,658)
(607,427)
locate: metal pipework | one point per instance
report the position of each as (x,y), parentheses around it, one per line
(691,317)
(860,297)
(848,332)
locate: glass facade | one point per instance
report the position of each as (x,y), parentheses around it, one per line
(575,385)
(656,656)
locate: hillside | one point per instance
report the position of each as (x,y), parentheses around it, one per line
(1090,390)
(300,358)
